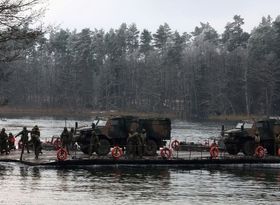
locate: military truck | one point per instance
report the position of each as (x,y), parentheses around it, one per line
(116,130)
(246,136)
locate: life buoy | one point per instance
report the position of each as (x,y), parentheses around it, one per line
(259,152)
(165,153)
(117,152)
(57,144)
(61,154)
(175,145)
(214,152)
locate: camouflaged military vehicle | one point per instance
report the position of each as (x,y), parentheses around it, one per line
(115,132)
(246,136)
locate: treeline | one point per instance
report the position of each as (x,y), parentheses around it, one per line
(193,75)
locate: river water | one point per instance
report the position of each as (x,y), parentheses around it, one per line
(22,184)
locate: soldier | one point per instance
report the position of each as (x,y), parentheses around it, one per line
(35,140)
(94,143)
(65,137)
(143,139)
(24,141)
(11,142)
(3,141)
(71,138)
(133,142)
(139,145)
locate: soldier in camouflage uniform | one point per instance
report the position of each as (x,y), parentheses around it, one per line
(24,141)
(4,141)
(65,139)
(11,142)
(94,143)
(143,136)
(71,138)
(134,146)
(35,140)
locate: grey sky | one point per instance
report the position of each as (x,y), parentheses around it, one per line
(181,15)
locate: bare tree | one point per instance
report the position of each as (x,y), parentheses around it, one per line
(16,17)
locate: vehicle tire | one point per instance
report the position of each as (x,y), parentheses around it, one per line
(151,148)
(104,147)
(249,148)
(232,149)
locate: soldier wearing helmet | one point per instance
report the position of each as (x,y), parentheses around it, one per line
(134,147)
(11,142)
(35,140)
(4,141)
(23,140)
(65,139)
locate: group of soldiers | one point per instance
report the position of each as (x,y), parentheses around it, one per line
(136,143)
(7,142)
(66,138)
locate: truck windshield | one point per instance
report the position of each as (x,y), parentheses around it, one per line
(100,122)
(238,126)
(246,125)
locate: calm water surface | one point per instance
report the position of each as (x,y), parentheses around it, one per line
(134,185)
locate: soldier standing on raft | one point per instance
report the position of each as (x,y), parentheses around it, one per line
(134,145)
(143,140)
(65,139)
(71,138)
(35,140)
(24,141)
(3,141)
(94,141)
(11,142)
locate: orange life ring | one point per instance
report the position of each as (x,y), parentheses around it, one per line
(117,152)
(61,154)
(278,151)
(214,152)
(165,153)
(175,145)
(57,144)
(259,152)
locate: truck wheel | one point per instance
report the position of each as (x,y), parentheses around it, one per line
(249,148)
(232,149)
(104,147)
(151,148)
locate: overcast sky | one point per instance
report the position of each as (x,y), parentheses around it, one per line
(181,15)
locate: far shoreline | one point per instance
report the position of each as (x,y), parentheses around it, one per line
(62,113)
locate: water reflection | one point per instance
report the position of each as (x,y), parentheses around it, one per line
(35,173)
(256,174)
(23,172)
(139,185)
